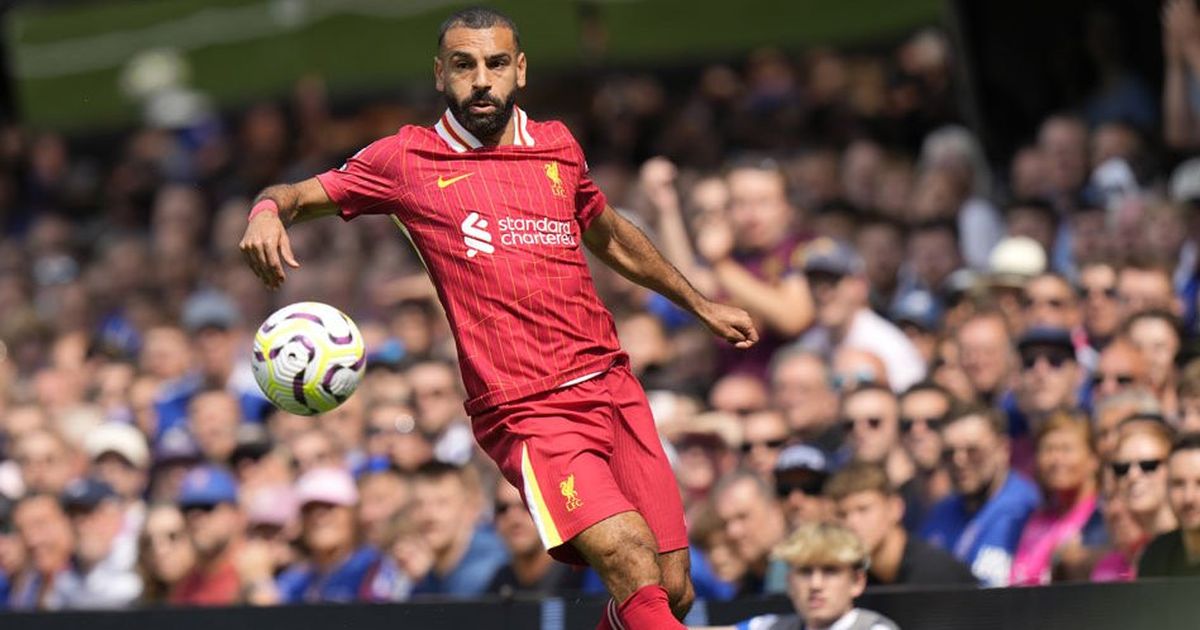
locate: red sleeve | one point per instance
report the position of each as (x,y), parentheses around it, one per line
(365,184)
(589,199)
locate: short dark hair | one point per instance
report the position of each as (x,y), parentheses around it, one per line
(927,385)
(1039,206)
(996,420)
(1186,442)
(479,18)
(859,477)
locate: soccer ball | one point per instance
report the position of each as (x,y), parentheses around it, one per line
(308,358)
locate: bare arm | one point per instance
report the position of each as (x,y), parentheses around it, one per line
(265,244)
(622,246)
(657,181)
(786,307)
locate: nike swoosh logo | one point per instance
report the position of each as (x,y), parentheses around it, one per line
(442,183)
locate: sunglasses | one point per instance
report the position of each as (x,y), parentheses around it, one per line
(1124,380)
(1054,359)
(873,423)
(503,508)
(1107,292)
(810,487)
(1147,466)
(771,444)
(973,452)
(933,423)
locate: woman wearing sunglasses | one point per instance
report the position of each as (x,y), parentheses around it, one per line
(1137,475)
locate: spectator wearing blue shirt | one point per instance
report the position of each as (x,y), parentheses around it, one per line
(12,554)
(448,502)
(981,522)
(338,565)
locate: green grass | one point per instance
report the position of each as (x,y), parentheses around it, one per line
(372,52)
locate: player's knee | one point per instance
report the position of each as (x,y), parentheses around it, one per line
(681,595)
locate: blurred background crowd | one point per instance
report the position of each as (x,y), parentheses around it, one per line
(982,367)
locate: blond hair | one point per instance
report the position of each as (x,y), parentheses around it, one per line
(815,544)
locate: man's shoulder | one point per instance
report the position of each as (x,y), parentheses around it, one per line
(1017,492)
(928,564)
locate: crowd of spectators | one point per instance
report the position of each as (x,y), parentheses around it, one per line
(981,371)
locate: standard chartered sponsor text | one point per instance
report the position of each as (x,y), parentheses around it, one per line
(541,231)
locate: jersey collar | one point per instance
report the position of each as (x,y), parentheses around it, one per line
(460,140)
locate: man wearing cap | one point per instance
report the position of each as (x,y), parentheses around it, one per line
(121,459)
(103,570)
(981,522)
(337,565)
(1049,378)
(214,324)
(839,289)
(208,498)
(800,474)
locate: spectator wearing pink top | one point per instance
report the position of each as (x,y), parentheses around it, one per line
(1058,535)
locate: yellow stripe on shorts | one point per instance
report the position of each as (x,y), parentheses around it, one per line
(546,529)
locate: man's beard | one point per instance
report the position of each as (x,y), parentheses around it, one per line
(482,126)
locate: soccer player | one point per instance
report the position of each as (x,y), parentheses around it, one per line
(498,205)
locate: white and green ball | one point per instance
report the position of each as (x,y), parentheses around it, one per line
(308,358)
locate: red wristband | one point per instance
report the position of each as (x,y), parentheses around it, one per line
(266,205)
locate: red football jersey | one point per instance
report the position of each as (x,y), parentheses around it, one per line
(500,232)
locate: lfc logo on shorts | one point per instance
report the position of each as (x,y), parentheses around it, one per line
(567,488)
(556,185)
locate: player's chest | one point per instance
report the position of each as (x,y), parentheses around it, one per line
(499,208)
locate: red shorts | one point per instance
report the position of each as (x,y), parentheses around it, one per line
(583,453)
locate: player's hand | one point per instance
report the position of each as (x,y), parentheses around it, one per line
(267,248)
(729,323)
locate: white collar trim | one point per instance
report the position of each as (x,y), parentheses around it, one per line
(460,140)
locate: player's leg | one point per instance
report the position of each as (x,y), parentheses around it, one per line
(645,477)
(623,550)
(676,569)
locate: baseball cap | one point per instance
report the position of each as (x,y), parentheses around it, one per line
(919,308)
(802,457)
(1046,336)
(119,438)
(271,505)
(176,445)
(207,486)
(86,493)
(326,485)
(1185,181)
(827,255)
(1016,259)
(210,309)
